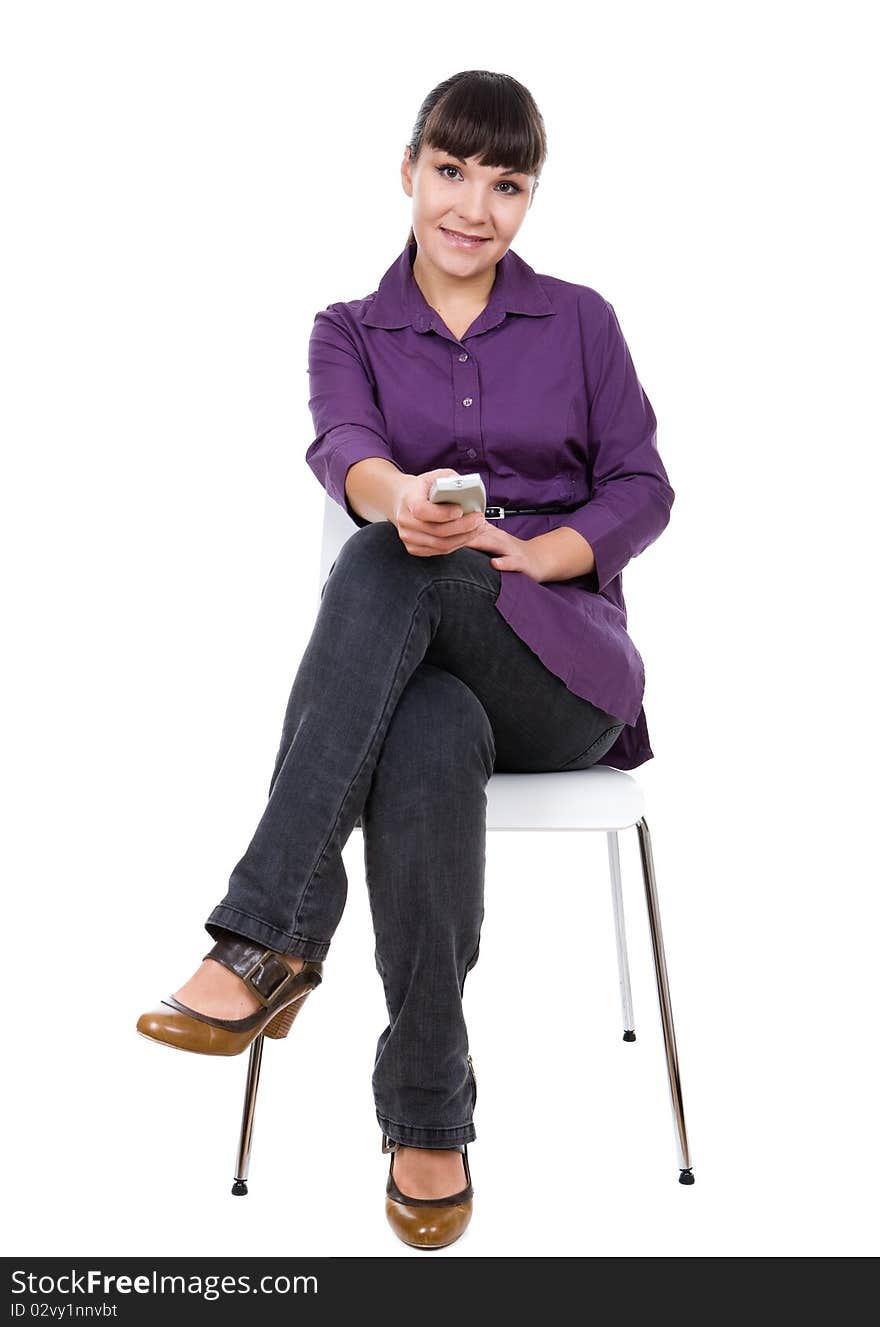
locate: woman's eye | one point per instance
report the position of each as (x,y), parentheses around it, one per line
(514,187)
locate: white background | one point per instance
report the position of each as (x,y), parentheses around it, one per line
(185,185)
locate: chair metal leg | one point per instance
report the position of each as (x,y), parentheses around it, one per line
(686,1176)
(243,1162)
(620,933)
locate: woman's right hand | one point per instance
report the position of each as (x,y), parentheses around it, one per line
(430,528)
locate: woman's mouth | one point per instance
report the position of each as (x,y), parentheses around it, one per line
(460,241)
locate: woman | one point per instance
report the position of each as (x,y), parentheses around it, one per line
(446,644)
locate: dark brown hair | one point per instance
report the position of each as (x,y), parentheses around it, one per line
(480,114)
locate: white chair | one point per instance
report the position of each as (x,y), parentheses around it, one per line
(601,798)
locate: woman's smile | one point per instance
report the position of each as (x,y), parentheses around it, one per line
(460,241)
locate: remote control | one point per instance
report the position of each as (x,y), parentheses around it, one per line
(466,490)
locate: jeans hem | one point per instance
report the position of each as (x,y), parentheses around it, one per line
(411,1135)
(225,918)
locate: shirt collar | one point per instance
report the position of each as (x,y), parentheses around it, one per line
(399,301)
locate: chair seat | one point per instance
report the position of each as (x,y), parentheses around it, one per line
(601,798)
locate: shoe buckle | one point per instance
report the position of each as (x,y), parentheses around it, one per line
(267,976)
(389,1144)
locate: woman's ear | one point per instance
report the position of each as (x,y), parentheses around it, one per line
(406,171)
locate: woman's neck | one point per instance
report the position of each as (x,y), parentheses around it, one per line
(453,297)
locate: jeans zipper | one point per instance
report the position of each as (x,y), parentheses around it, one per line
(474,1077)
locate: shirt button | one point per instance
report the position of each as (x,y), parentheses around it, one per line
(463,357)
(471,453)
(468,400)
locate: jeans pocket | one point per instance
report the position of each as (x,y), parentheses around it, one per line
(596,750)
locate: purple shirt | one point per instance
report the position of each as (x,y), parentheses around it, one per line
(540,397)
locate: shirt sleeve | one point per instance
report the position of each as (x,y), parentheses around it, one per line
(348,423)
(630,494)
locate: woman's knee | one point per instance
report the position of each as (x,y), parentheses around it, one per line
(378,539)
(371,557)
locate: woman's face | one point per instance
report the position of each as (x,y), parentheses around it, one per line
(453,195)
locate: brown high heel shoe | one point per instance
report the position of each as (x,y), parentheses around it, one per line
(281,992)
(427,1223)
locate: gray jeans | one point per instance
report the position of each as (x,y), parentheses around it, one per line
(411,690)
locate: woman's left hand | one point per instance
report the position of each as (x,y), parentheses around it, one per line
(511,554)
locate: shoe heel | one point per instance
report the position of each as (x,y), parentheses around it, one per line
(283,1022)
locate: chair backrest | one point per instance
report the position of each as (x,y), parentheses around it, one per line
(337,528)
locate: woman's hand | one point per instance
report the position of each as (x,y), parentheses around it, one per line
(429,528)
(512,554)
